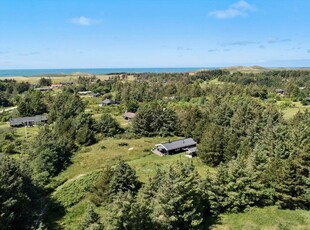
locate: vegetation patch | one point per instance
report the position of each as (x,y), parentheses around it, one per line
(265,218)
(73,191)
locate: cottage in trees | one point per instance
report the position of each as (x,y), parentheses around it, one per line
(280,91)
(66,83)
(56,86)
(308,100)
(85,92)
(128,116)
(44,89)
(108,102)
(28,121)
(178,146)
(96,94)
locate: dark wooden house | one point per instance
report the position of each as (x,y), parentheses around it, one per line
(28,121)
(108,102)
(177,146)
(280,91)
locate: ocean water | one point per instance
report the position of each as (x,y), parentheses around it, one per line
(35,72)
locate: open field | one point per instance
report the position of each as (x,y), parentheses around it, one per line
(56,79)
(135,151)
(257,69)
(296,107)
(269,218)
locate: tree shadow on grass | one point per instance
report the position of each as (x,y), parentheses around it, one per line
(53,212)
(210,222)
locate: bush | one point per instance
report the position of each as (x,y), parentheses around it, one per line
(123,144)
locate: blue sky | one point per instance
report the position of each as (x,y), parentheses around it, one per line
(153,33)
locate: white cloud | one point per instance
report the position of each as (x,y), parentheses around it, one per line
(238,9)
(84,21)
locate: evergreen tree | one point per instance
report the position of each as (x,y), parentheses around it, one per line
(32,104)
(66,105)
(120,179)
(85,136)
(154,119)
(49,161)
(15,196)
(176,201)
(126,213)
(108,126)
(236,187)
(212,146)
(91,220)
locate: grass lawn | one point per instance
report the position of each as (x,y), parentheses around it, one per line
(136,152)
(290,112)
(265,218)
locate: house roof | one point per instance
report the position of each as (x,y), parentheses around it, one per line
(95,94)
(308,98)
(179,144)
(108,101)
(279,90)
(21,120)
(43,89)
(85,92)
(129,115)
(192,149)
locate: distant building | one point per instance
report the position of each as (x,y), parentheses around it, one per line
(96,94)
(280,91)
(128,116)
(66,83)
(108,102)
(56,85)
(308,100)
(28,121)
(43,89)
(84,92)
(35,85)
(168,148)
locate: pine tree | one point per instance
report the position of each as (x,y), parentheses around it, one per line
(127,212)
(120,179)
(15,196)
(108,126)
(85,136)
(91,220)
(212,146)
(177,201)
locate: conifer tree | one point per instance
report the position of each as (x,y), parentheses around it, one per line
(91,220)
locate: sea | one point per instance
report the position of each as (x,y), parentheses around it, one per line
(36,72)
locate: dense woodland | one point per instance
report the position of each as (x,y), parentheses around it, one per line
(260,159)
